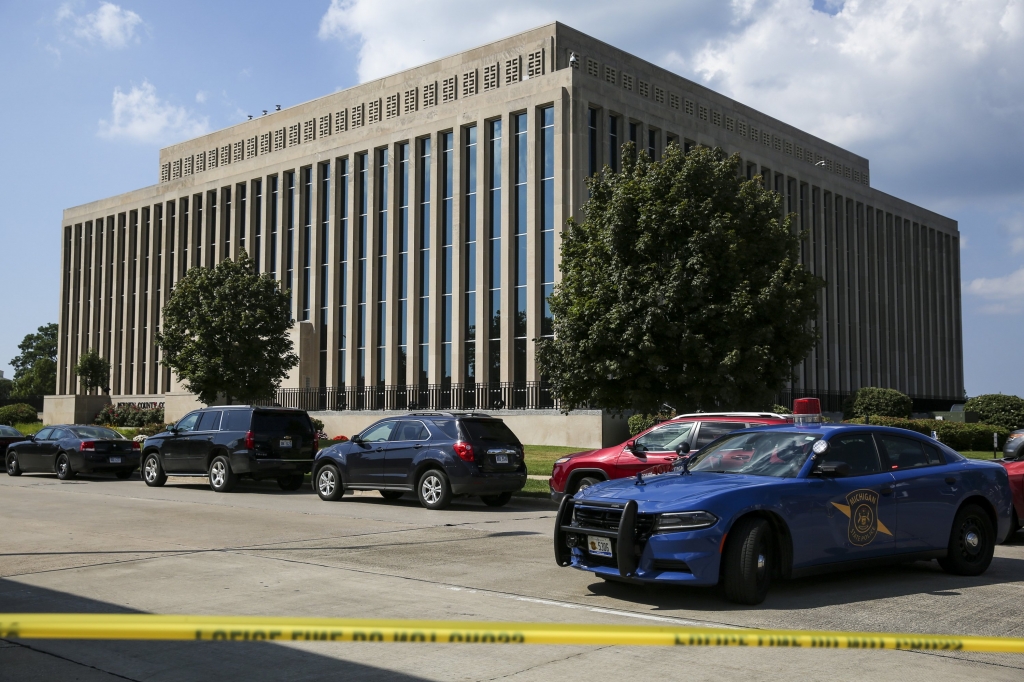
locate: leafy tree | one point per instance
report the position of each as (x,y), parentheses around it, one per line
(882,402)
(681,286)
(998,409)
(225,332)
(93,371)
(6,386)
(35,368)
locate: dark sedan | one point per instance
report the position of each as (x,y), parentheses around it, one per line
(68,450)
(9,435)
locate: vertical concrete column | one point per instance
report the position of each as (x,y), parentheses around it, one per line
(157,266)
(458,274)
(958,347)
(842,327)
(818,260)
(507,256)
(436,284)
(107,291)
(351,342)
(391,322)
(533,250)
(63,325)
(483,275)
(415,274)
(138,342)
(332,295)
(372,266)
(882,296)
(315,253)
(79,308)
(858,357)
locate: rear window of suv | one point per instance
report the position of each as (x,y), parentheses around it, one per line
(281,422)
(235,420)
(490,430)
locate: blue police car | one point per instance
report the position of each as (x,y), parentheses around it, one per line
(786,501)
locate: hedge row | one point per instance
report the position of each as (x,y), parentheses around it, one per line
(954,434)
(995,408)
(19,413)
(129,414)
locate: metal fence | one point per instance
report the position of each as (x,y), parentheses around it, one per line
(511,395)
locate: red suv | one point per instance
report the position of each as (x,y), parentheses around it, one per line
(656,445)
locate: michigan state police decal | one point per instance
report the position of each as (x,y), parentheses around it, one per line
(861,509)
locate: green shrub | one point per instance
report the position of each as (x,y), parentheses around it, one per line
(152,429)
(881,402)
(780,409)
(19,412)
(956,435)
(639,422)
(317,424)
(998,409)
(130,414)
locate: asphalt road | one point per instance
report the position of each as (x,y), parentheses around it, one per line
(118,546)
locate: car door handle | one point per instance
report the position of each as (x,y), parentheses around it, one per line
(380,449)
(950,480)
(887,490)
(416,447)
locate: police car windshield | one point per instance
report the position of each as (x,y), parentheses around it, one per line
(766,453)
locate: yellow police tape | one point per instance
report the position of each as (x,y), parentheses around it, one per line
(226,628)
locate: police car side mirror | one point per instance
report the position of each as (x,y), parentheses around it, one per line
(683,449)
(833,470)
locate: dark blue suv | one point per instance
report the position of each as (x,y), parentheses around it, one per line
(437,454)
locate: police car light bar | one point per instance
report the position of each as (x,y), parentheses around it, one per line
(806,411)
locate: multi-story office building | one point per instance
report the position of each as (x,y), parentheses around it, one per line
(416,220)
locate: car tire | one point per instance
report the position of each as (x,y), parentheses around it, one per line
(123,475)
(433,490)
(586,482)
(222,478)
(152,473)
(391,494)
(747,562)
(290,483)
(13,466)
(328,483)
(63,468)
(499,500)
(972,542)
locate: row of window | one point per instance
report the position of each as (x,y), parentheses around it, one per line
(358,115)
(753,131)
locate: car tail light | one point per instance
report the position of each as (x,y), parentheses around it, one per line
(88,446)
(250,441)
(136,445)
(464,450)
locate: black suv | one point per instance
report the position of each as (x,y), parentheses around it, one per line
(225,443)
(437,454)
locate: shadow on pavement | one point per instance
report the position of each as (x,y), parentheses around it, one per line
(831,589)
(35,659)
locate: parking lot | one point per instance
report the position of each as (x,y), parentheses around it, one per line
(103,545)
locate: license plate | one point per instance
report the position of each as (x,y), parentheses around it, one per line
(501,459)
(285,444)
(115,460)
(599,546)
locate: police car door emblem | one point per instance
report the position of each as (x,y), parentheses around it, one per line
(862,509)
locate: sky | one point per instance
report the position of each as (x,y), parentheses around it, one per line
(931,92)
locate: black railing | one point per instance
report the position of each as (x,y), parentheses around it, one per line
(511,395)
(35,401)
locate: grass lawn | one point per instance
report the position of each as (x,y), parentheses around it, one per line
(30,428)
(540,458)
(980,454)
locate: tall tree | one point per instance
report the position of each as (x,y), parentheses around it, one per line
(93,371)
(35,368)
(682,285)
(225,332)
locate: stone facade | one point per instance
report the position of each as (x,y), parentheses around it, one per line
(416,220)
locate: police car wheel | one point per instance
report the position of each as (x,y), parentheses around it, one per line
(971,543)
(13,468)
(747,562)
(63,468)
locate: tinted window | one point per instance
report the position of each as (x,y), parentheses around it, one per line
(411,431)
(44,434)
(712,430)
(9,431)
(60,434)
(97,432)
(489,430)
(189,422)
(210,421)
(378,432)
(282,422)
(235,420)
(666,437)
(448,427)
(759,453)
(857,450)
(934,454)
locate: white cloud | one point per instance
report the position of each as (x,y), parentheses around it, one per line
(139,115)
(1003,294)
(201,96)
(926,89)
(111,25)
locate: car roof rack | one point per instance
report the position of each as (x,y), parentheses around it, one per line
(762,415)
(447,414)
